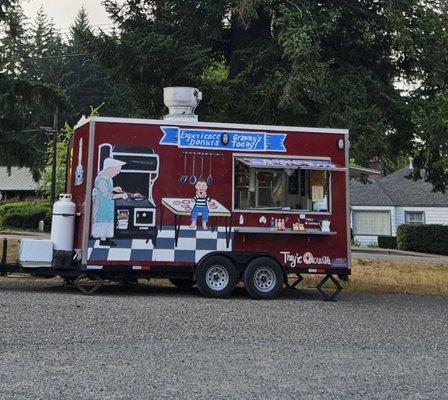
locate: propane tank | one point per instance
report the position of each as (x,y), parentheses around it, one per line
(63,223)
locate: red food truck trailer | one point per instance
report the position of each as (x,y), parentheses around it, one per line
(199,203)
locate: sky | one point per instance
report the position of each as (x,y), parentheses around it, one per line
(63,12)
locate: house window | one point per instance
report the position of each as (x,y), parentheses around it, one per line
(371,223)
(282,189)
(414,217)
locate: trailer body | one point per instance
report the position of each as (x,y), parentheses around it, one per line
(203,202)
(307,167)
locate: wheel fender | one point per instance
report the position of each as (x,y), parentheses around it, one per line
(206,257)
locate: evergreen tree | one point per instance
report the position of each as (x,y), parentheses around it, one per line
(300,62)
(13,41)
(87,82)
(22,100)
(5,7)
(47,56)
(161,43)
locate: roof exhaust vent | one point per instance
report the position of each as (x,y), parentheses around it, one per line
(181,102)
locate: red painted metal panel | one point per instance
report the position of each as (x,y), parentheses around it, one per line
(171,168)
(78,191)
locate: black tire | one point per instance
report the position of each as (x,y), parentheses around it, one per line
(216,277)
(182,284)
(263,278)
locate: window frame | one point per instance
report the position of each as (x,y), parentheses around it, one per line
(354,211)
(264,210)
(407,212)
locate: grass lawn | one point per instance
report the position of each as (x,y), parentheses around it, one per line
(370,276)
(375,276)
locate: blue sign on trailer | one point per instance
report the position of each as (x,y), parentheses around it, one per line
(222,140)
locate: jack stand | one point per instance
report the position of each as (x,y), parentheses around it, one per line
(92,287)
(295,283)
(321,290)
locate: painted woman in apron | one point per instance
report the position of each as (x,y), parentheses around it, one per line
(103,207)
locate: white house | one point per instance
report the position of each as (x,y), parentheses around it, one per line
(379,206)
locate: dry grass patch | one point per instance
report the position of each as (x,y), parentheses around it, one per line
(368,276)
(374,276)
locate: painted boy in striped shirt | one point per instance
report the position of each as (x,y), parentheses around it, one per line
(200,204)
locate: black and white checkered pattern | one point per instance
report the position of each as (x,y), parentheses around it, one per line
(192,245)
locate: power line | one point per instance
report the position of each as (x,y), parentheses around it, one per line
(57,56)
(90,26)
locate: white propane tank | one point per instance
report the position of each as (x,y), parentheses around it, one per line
(63,223)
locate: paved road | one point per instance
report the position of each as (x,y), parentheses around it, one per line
(18,235)
(429,260)
(157,343)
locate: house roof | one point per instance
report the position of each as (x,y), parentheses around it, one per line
(368,194)
(396,189)
(18,180)
(356,171)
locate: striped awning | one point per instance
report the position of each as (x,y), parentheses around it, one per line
(290,163)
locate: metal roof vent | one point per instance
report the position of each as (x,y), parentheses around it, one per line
(181,103)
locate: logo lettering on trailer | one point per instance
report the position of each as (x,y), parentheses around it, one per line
(294,259)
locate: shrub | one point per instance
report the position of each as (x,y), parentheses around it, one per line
(25,215)
(423,238)
(387,242)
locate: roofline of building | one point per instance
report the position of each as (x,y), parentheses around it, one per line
(18,190)
(400,205)
(356,171)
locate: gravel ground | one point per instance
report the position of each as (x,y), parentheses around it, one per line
(157,343)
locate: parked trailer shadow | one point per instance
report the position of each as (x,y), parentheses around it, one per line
(26,285)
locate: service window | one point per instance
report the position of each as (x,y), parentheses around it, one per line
(414,217)
(371,223)
(282,189)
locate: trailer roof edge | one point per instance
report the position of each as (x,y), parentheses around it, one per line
(211,125)
(204,124)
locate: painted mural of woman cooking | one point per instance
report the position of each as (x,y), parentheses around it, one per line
(103,204)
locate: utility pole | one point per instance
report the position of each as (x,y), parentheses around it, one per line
(55,147)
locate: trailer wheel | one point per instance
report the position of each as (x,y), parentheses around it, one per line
(216,277)
(263,278)
(182,284)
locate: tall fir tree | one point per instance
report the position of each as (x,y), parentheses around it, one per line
(47,55)
(299,62)
(22,100)
(14,47)
(88,83)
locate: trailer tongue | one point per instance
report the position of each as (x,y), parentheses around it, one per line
(199,203)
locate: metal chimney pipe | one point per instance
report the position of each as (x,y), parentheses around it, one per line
(181,103)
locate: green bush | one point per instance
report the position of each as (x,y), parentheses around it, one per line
(387,242)
(423,238)
(25,215)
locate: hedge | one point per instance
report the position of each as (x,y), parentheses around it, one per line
(25,215)
(431,239)
(387,242)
